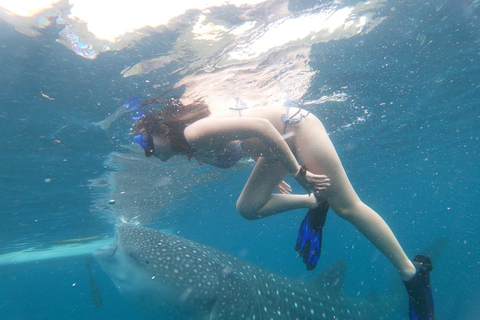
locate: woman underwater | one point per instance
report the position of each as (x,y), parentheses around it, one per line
(283,141)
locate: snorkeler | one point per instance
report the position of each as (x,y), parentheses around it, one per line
(279,139)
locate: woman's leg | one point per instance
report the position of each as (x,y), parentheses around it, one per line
(257,199)
(314,149)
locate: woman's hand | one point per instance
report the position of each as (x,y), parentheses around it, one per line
(311,181)
(284,188)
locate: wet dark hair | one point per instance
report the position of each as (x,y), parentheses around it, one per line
(171,122)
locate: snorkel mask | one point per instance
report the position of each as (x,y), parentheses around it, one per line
(145,140)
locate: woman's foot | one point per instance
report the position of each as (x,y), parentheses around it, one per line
(419,291)
(309,240)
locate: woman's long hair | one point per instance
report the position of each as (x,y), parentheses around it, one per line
(171,121)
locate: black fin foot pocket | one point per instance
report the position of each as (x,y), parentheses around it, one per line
(421,306)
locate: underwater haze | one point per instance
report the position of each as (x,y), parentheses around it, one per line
(396,84)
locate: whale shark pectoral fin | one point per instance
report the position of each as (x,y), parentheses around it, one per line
(330,279)
(235,299)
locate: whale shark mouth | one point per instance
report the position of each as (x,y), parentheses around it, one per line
(109,250)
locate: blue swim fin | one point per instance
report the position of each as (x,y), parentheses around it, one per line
(309,240)
(421,306)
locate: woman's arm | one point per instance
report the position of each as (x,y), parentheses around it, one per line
(208,133)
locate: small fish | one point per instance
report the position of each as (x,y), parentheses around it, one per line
(46,96)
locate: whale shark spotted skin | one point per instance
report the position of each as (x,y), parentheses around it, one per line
(169,277)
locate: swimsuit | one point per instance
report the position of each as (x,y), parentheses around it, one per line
(223,160)
(229,158)
(291,120)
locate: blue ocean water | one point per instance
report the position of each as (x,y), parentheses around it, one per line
(407,133)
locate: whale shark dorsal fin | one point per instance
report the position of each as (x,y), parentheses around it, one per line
(330,279)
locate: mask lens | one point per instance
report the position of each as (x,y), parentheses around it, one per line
(145,140)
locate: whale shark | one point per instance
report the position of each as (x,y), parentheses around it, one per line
(169,277)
